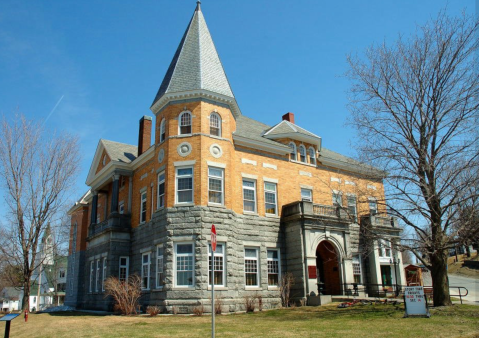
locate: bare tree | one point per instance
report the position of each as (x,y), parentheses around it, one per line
(125,294)
(37,172)
(414,105)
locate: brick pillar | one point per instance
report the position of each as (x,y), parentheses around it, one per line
(114,193)
(94,207)
(144,137)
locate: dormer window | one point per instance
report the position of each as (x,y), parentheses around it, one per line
(215,124)
(162,131)
(292,155)
(185,123)
(312,156)
(302,153)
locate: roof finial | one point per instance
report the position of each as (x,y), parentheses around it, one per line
(198,5)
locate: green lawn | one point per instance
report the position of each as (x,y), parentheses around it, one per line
(326,321)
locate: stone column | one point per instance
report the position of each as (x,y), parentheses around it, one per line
(114,194)
(94,207)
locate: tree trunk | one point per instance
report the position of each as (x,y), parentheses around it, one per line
(26,293)
(468,250)
(440,281)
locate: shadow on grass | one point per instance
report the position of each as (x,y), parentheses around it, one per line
(75,314)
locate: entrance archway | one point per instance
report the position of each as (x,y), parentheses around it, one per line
(327,264)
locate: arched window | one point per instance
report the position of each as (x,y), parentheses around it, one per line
(292,155)
(215,124)
(312,156)
(302,153)
(162,130)
(185,123)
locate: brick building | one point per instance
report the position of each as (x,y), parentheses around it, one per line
(281,202)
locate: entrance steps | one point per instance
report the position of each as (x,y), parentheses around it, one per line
(319,300)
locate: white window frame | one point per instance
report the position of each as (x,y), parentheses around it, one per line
(147,265)
(159,198)
(275,192)
(180,123)
(293,154)
(258,265)
(103,275)
(222,179)
(221,255)
(254,194)
(160,268)
(350,197)
(176,255)
(372,200)
(274,260)
(312,155)
(192,175)
(335,200)
(303,196)
(212,116)
(97,275)
(143,205)
(125,266)
(162,130)
(383,247)
(92,274)
(357,268)
(303,157)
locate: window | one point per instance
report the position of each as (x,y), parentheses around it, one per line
(61,273)
(273,267)
(302,153)
(384,248)
(352,207)
(215,185)
(292,155)
(184,264)
(121,207)
(162,131)
(270,203)
(161,190)
(92,275)
(312,155)
(185,123)
(123,271)
(184,185)
(159,267)
(337,199)
(249,196)
(215,124)
(104,275)
(373,206)
(357,269)
(219,265)
(251,271)
(145,271)
(97,279)
(143,207)
(306,195)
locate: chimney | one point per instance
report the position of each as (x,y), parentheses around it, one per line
(289,117)
(144,137)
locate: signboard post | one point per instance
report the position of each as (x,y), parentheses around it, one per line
(213,249)
(415,303)
(7,319)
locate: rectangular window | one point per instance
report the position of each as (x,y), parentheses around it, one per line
(159,267)
(384,248)
(273,267)
(145,271)
(104,275)
(357,269)
(251,270)
(306,195)
(121,207)
(92,275)
(161,190)
(123,271)
(184,185)
(61,274)
(249,196)
(270,200)
(215,185)
(337,199)
(143,207)
(352,208)
(184,264)
(373,206)
(219,264)
(97,279)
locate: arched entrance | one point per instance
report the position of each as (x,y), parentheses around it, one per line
(327,264)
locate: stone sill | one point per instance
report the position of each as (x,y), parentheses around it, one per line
(218,288)
(273,288)
(179,205)
(251,213)
(216,205)
(303,163)
(253,288)
(272,216)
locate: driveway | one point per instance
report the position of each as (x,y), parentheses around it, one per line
(471,284)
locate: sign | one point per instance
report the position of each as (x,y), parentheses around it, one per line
(415,302)
(312,272)
(213,238)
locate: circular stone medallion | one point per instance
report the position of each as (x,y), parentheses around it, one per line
(184,149)
(216,151)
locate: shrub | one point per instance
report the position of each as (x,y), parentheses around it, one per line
(287,281)
(199,310)
(153,310)
(174,310)
(303,301)
(260,303)
(249,302)
(218,305)
(125,293)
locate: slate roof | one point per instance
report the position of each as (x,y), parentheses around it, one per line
(196,64)
(10,293)
(120,152)
(252,129)
(285,127)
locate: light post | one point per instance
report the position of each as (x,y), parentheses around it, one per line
(395,262)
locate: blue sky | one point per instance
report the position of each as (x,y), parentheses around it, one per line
(100,63)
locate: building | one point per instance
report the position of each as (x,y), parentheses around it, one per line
(281,202)
(11,299)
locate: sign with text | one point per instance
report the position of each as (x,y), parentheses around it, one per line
(415,302)
(312,272)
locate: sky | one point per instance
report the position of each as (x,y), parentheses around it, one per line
(92,68)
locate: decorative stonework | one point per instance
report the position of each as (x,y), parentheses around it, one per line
(161,155)
(184,149)
(216,151)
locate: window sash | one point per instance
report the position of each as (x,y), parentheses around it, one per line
(185,123)
(159,267)
(162,130)
(306,194)
(104,275)
(270,198)
(97,275)
(145,271)
(251,267)
(215,125)
(249,196)
(143,207)
(337,199)
(292,153)
(161,190)
(352,207)
(219,265)
(302,154)
(215,185)
(312,156)
(92,275)
(123,270)
(185,265)
(274,267)
(184,185)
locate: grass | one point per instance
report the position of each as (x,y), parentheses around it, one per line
(326,321)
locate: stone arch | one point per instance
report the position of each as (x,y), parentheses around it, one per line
(323,237)
(328,265)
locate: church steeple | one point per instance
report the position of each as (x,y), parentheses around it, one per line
(196,68)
